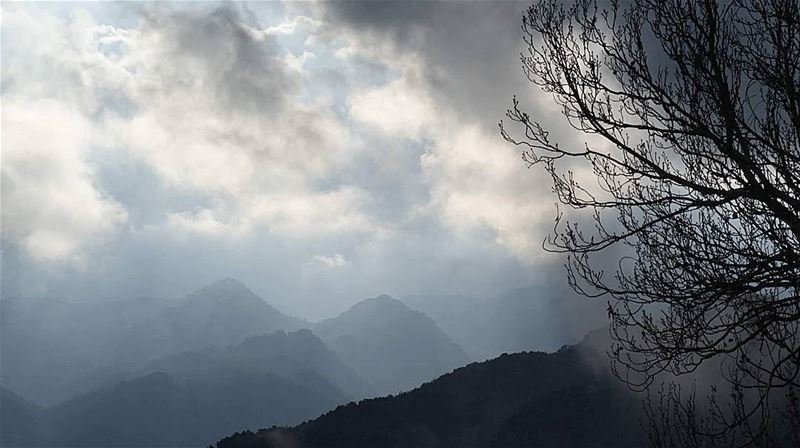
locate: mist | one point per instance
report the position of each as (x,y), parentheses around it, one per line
(297,225)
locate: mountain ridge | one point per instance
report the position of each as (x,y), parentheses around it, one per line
(519,400)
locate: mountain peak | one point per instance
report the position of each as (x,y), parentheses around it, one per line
(382,307)
(226,289)
(228,284)
(382,302)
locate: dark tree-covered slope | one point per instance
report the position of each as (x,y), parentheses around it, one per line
(564,399)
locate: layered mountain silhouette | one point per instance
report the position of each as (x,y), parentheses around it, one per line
(392,346)
(522,400)
(162,410)
(52,349)
(186,372)
(20,420)
(193,398)
(534,318)
(222,314)
(292,355)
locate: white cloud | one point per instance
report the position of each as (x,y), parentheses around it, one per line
(333,261)
(477,180)
(248,144)
(208,106)
(289,26)
(402,108)
(217,109)
(50,205)
(280,149)
(200,221)
(312,214)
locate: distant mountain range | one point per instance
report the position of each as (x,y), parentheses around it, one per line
(543,317)
(188,384)
(194,398)
(564,399)
(293,355)
(151,372)
(52,350)
(162,410)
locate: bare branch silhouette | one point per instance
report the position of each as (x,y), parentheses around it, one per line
(697,104)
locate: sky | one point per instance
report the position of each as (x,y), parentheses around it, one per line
(319,152)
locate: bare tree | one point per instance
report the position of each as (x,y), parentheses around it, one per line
(697,104)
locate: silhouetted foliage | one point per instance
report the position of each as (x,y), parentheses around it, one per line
(694,112)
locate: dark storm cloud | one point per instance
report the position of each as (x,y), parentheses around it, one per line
(242,67)
(472,49)
(395,17)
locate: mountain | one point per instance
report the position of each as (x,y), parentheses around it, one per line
(193,398)
(19,419)
(49,346)
(221,314)
(291,355)
(390,345)
(526,399)
(54,349)
(544,317)
(162,410)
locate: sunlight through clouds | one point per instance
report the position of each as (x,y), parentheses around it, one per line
(231,125)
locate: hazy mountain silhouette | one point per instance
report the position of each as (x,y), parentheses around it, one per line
(519,320)
(390,345)
(186,372)
(521,400)
(194,398)
(291,355)
(162,410)
(48,344)
(53,349)
(19,419)
(224,313)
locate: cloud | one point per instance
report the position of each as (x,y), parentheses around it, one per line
(469,51)
(476,180)
(480,183)
(206,144)
(50,204)
(402,108)
(333,261)
(206,103)
(291,26)
(197,222)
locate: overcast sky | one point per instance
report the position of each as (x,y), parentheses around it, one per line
(320,153)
